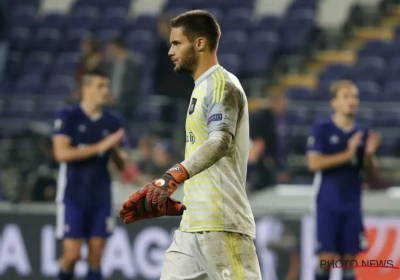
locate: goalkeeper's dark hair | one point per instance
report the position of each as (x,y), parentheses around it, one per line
(88,75)
(199,23)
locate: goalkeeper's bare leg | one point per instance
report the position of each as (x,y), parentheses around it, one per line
(211,255)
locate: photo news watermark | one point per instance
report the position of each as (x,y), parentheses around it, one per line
(348,264)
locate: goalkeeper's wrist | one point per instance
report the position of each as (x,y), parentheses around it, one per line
(178,172)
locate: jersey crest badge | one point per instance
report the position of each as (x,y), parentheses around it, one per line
(310,141)
(192,105)
(58,124)
(334,139)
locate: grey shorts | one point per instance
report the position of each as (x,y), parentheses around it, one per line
(211,255)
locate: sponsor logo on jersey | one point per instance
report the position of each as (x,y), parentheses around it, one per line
(192,105)
(190,138)
(215,118)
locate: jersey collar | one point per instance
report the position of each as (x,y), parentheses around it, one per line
(206,74)
(350,129)
(93,119)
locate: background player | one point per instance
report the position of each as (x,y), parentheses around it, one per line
(338,150)
(215,238)
(85,138)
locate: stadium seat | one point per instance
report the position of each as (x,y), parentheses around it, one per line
(368,90)
(83,18)
(66,64)
(146,86)
(236,20)
(125,4)
(269,23)
(87,3)
(323,90)
(48,109)
(230,62)
(107,35)
(385,119)
(374,48)
(299,93)
(393,49)
(14,64)
(59,85)
(297,144)
(249,4)
(369,69)
(21,109)
(6,87)
(387,147)
(334,72)
(20,39)
(37,62)
(112,18)
(300,116)
(297,30)
(72,40)
(302,5)
(29,84)
(393,70)
(397,33)
(53,20)
(17,3)
(262,47)
(46,39)
(200,4)
(216,12)
(321,113)
(140,41)
(366,116)
(146,22)
(232,42)
(23,16)
(176,4)
(391,92)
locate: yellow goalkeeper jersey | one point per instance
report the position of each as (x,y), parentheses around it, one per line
(216,199)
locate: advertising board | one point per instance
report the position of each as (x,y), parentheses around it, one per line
(29,249)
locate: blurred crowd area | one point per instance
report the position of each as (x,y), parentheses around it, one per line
(286,54)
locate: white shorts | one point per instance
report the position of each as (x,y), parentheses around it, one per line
(211,255)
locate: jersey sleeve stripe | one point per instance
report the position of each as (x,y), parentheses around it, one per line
(219,86)
(222,89)
(215,89)
(219,93)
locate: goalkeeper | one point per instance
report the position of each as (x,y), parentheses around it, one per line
(215,239)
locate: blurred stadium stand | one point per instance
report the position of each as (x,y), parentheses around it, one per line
(297,47)
(293,46)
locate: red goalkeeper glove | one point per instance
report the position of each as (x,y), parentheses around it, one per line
(170,180)
(156,194)
(137,207)
(167,185)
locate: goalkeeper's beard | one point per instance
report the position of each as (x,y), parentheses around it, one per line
(188,62)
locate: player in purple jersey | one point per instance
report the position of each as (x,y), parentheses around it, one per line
(339,149)
(86,137)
